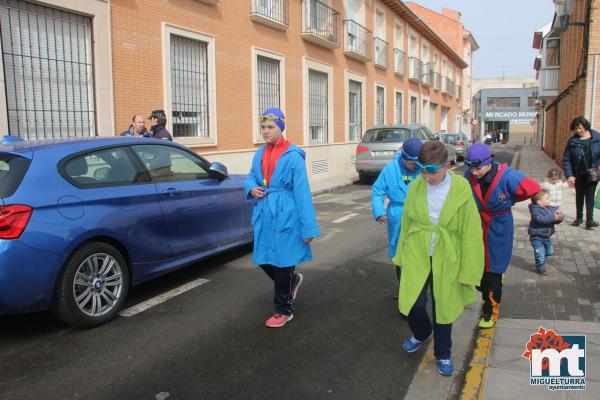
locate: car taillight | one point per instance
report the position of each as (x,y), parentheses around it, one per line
(361,149)
(13,220)
(400,148)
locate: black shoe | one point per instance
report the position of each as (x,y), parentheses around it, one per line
(577,222)
(590,225)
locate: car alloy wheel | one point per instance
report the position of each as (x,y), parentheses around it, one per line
(98,285)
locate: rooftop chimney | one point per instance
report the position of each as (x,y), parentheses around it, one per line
(452,14)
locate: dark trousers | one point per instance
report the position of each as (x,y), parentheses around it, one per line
(585,191)
(282,280)
(491,292)
(421,326)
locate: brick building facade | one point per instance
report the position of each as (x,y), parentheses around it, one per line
(448,25)
(577,92)
(336,67)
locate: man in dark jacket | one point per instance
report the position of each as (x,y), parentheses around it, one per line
(158,119)
(541,228)
(137,127)
(582,152)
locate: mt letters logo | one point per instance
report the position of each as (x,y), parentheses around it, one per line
(556,361)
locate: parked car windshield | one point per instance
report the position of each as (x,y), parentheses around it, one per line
(12,171)
(386,135)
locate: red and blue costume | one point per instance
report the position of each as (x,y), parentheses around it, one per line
(495,193)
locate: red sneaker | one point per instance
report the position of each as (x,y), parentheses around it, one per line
(278,320)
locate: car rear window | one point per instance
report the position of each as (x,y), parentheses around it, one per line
(453,138)
(386,135)
(12,171)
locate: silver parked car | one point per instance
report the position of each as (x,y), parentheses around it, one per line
(380,144)
(459,141)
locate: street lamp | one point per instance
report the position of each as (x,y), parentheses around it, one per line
(563,8)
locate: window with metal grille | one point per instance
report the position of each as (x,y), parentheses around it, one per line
(48,71)
(189,85)
(380,109)
(318,123)
(354,110)
(413,110)
(399,107)
(268,87)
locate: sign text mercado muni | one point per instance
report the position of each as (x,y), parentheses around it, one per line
(511,114)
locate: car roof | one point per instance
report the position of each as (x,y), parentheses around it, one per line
(23,146)
(404,126)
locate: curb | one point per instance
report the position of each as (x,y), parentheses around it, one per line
(475,378)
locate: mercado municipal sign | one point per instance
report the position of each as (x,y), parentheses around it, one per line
(512,115)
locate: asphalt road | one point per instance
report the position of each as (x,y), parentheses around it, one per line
(211,343)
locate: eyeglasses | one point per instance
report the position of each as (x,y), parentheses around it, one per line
(430,168)
(270,117)
(406,156)
(475,163)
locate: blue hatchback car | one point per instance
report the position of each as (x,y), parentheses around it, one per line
(83,220)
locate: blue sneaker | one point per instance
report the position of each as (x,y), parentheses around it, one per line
(445,367)
(411,344)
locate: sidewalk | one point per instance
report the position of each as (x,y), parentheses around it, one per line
(567,300)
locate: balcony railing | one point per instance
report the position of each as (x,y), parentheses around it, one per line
(415,68)
(273,13)
(381,52)
(427,74)
(320,24)
(356,40)
(548,81)
(399,58)
(448,86)
(437,81)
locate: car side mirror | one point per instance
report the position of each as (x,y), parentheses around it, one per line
(218,170)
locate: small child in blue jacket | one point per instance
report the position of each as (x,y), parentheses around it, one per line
(541,228)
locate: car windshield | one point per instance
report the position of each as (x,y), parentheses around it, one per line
(452,138)
(12,171)
(386,135)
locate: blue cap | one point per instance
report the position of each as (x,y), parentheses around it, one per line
(276,115)
(411,147)
(480,151)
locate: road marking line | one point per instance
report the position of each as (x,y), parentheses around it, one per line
(344,218)
(144,305)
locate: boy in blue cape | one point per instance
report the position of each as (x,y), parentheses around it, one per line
(393,182)
(284,217)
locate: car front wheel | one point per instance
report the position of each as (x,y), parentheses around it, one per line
(92,286)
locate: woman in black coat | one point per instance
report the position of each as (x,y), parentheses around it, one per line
(582,152)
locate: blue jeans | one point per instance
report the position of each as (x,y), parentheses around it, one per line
(421,326)
(542,248)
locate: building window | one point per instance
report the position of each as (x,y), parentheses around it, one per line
(354,110)
(189,85)
(504,102)
(48,71)
(318,123)
(399,107)
(380,106)
(552,52)
(413,110)
(268,85)
(531,102)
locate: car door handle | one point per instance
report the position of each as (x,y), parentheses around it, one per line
(171,192)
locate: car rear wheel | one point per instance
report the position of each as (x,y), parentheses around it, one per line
(92,286)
